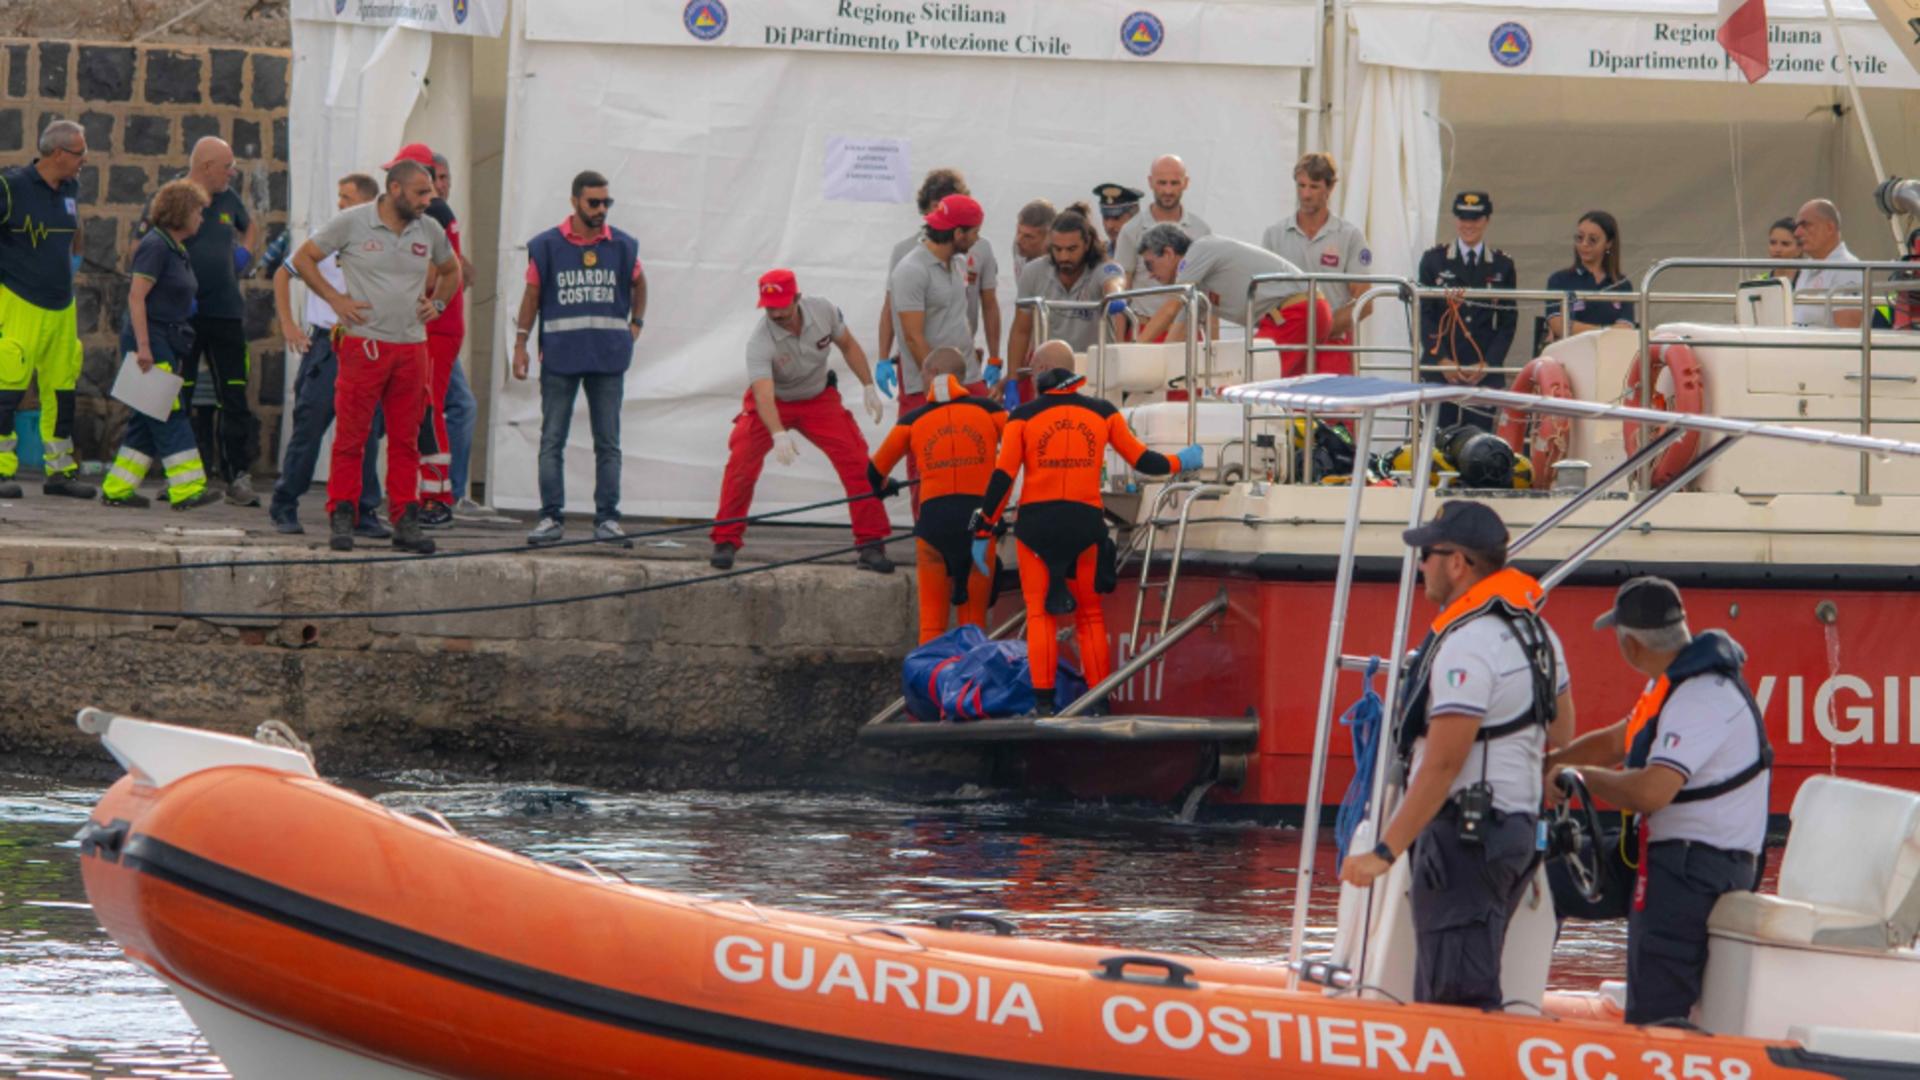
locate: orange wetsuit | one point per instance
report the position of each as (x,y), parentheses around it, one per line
(954,440)
(1061,440)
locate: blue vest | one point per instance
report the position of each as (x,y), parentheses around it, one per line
(586,300)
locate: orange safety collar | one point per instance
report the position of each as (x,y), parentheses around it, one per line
(1509,584)
(1647,707)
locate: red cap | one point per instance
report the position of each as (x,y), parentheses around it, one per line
(778,289)
(417,152)
(956,212)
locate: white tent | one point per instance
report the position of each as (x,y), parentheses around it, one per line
(714,123)
(1556,107)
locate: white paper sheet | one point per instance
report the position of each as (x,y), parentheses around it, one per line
(150,392)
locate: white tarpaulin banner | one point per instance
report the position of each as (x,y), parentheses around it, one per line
(1638,41)
(482,18)
(717,159)
(1255,32)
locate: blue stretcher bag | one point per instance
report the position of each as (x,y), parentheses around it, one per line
(961,675)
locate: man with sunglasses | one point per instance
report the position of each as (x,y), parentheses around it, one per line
(586,286)
(1486,694)
(39,329)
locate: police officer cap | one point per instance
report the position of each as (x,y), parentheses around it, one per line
(1645,603)
(1468,524)
(1117,199)
(1472,204)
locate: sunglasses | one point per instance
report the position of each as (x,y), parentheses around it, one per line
(598,204)
(1429,552)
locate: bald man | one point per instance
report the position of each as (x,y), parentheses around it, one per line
(1167,179)
(1817,227)
(228,240)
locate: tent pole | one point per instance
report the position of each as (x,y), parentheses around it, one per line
(1337,83)
(1313,132)
(1860,110)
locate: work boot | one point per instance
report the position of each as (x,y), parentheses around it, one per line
(1043,701)
(240,491)
(11,490)
(286,523)
(206,497)
(371,527)
(722,557)
(1059,599)
(608,532)
(874,557)
(67,486)
(550,531)
(407,535)
(134,501)
(436,515)
(340,524)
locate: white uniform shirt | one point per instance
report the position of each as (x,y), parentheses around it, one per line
(1338,249)
(1707,735)
(1481,671)
(319,312)
(1821,277)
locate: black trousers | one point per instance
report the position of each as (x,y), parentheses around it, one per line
(220,353)
(1667,937)
(1463,897)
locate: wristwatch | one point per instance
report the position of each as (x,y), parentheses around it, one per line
(1384,852)
(639,323)
(440,306)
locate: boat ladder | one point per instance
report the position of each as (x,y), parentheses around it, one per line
(1183,495)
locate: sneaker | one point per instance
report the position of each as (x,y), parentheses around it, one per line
(340,524)
(407,535)
(11,490)
(874,558)
(135,501)
(207,497)
(286,523)
(240,491)
(67,486)
(468,510)
(609,531)
(722,557)
(436,515)
(371,527)
(549,531)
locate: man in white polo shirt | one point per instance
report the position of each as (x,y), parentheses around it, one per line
(1697,768)
(791,389)
(1833,295)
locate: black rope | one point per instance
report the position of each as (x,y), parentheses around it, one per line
(476,609)
(520,548)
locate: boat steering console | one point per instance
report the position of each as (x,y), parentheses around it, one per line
(1574,836)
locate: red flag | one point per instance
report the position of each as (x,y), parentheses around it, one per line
(1743,33)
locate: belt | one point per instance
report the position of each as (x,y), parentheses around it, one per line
(1746,857)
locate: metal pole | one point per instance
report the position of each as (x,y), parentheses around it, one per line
(1100,364)
(1866,346)
(1639,510)
(1203,491)
(1146,656)
(1329,677)
(1640,457)
(1192,307)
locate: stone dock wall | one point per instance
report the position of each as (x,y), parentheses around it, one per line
(756,681)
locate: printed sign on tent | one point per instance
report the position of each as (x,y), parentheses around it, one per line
(868,170)
(480,18)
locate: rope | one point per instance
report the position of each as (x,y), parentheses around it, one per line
(474,609)
(256,564)
(1453,327)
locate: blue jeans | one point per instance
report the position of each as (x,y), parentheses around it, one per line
(312,415)
(604,396)
(462,411)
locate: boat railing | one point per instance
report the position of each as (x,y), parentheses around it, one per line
(1197,310)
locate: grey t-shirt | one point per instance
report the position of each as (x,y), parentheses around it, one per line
(385,268)
(1126,252)
(1038,279)
(1224,268)
(920,282)
(1338,249)
(983,272)
(797,364)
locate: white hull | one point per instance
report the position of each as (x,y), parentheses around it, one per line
(256,1050)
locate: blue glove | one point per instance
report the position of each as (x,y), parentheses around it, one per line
(241,258)
(1191,458)
(886,376)
(77,260)
(993,372)
(980,555)
(1116,307)
(1013,394)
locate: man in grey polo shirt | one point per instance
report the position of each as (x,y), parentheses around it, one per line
(791,389)
(1076,268)
(1319,241)
(1168,180)
(386,249)
(1224,269)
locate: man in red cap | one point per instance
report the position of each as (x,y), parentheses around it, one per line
(791,390)
(928,292)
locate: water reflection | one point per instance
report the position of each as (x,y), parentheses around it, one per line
(71,1005)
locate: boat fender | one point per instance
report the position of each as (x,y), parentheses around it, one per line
(1550,437)
(1674,365)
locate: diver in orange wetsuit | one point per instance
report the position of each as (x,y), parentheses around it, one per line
(954,440)
(1061,440)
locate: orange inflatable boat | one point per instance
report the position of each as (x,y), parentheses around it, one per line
(314,933)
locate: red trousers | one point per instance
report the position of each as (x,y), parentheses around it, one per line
(908,403)
(825,423)
(1288,326)
(373,375)
(1089,620)
(436,453)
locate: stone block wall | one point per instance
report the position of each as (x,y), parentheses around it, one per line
(144,106)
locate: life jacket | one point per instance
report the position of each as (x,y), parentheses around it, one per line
(586,299)
(1711,653)
(1514,598)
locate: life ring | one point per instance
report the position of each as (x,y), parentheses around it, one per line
(1545,439)
(1689,383)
